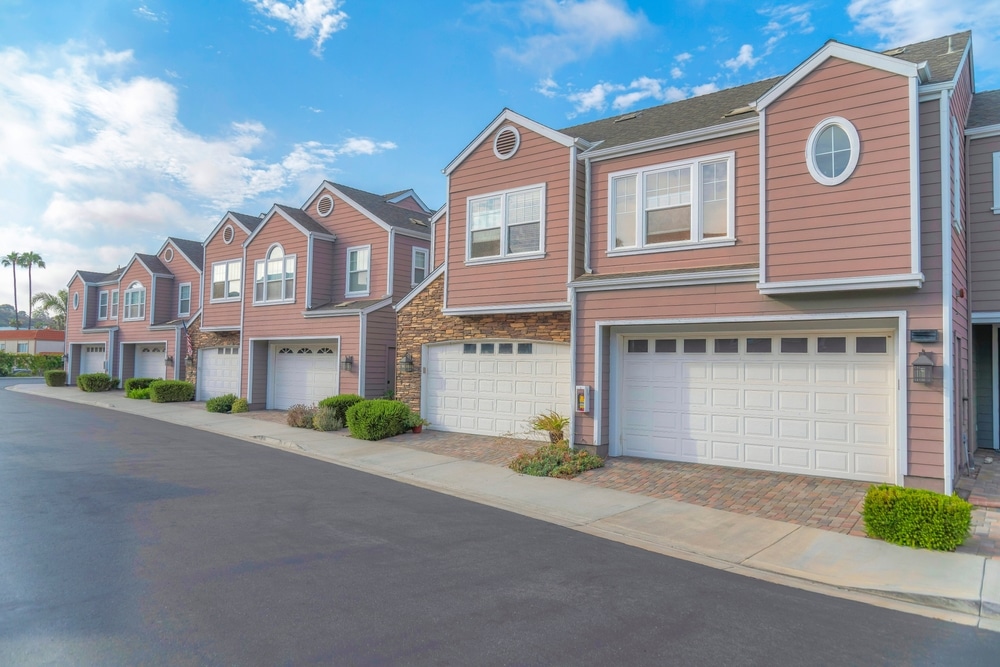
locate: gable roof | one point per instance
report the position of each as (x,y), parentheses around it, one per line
(384,210)
(985,109)
(93,277)
(943,55)
(299,219)
(400,195)
(248,223)
(153,264)
(192,250)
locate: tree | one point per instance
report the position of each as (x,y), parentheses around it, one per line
(13,260)
(29,259)
(53,303)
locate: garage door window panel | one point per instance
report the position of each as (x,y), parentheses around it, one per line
(506,225)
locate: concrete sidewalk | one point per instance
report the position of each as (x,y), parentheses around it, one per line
(957,587)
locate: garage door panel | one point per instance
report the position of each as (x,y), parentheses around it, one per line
(150,361)
(218,372)
(303,373)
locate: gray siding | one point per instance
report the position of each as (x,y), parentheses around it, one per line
(380,336)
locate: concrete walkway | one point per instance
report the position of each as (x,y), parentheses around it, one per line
(957,587)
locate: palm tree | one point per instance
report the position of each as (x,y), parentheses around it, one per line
(13,260)
(55,303)
(29,259)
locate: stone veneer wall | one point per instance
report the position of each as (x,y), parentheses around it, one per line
(421,322)
(202,339)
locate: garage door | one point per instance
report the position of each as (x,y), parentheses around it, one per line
(494,387)
(303,374)
(150,361)
(805,403)
(218,371)
(92,359)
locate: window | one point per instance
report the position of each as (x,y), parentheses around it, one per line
(638,346)
(184,299)
(227,280)
(469,348)
(76,300)
(114,304)
(102,306)
(695,345)
(506,225)
(727,345)
(831,345)
(358,269)
(135,302)
(870,345)
(832,151)
(274,277)
(524,348)
(665,346)
(680,203)
(794,345)
(420,256)
(22,348)
(759,345)
(505,348)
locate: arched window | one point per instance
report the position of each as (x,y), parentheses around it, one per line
(135,301)
(274,276)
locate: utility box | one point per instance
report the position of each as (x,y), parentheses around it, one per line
(583,399)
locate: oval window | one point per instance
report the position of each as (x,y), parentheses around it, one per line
(832,151)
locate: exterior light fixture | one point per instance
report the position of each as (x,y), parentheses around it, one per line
(923,368)
(169,359)
(347,363)
(406,363)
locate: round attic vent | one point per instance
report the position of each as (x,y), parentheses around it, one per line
(168,255)
(228,234)
(324,206)
(506,142)
(76,300)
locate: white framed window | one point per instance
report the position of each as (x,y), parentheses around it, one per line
(274,277)
(671,206)
(102,306)
(832,150)
(114,304)
(996,183)
(420,260)
(135,302)
(22,348)
(183,299)
(227,280)
(506,225)
(359,270)
(76,300)
(956,176)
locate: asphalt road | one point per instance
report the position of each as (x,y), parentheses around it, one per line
(127,541)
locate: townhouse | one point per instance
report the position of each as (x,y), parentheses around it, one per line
(32,341)
(773,276)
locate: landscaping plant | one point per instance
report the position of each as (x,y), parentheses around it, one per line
(916,517)
(326,419)
(171,391)
(240,405)
(378,418)
(340,404)
(96,382)
(142,393)
(300,416)
(222,403)
(556,460)
(138,383)
(552,423)
(55,378)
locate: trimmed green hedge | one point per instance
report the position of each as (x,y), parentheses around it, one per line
(36,363)
(171,391)
(139,383)
(377,419)
(916,517)
(240,405)
(96,382)
(340,404)
(222,403)
(56,378)
(141,394)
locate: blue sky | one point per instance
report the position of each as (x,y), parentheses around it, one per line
(124,122)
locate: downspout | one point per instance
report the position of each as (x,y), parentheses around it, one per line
(244,347)
(947,312)
(586,220)
(389,283)
(570,292)
(363,316)
(309,272)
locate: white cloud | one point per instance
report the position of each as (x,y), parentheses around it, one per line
(309,19)
(547,87)
(621,97)
(148,214)
(646,88)
(594,98)
(682,58)
(704,89)
(147,14)
(676,72)
(745,58)
(569,30)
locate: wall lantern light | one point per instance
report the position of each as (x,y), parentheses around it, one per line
(406,363)
(347,363)
(169,359)
(923,368)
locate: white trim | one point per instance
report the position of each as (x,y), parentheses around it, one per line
(947,312)
(572,233)
(347,269)
(587,214)
(76,301)
(954,141)
(277,208)
(597,400)
(508,116)
(414,251)
(412,294)
(271,343)
(186,313)
(717,277)
(362,348)
(517,142)
(295,277)
(168,255)
(447,245)
(852,162)
(845,52)
(557,306)
(898,281)
(228,217)
(996,183)
(363,211)
(995,367)
(225,282)
(243,309)
(341,312)
(114,302)
(675,246)
(228,228)
(983,131)
(986,317)
(309,265)
(503,260)
(333,205)
(390,279)
(132,290)
(914,119)
(410,193)
(504,225)
(762,196)
(673,140)
(169,244)
(106,296)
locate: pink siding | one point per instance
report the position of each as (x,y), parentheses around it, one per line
(538,160)
(137,330)
(222,314)
(866,219)
(747,211)
(183,272)
(166,300)
(380,335)
(984,226)
(403,259)
(410,204)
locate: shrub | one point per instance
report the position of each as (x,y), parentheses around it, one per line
(222,403)
(300,415)
(55,378)
(240,405)
(555,460)
(96,382)
(340,404)
(171,391)
(377,419)
(138,383)
(916,517)
(552,423)
(141,393)
(326,419)
(14,363)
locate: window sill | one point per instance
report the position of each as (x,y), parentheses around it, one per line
(283,302)
(183,314)
(134,319)
(355,295)
(502,260)
(673,247)
(231,299)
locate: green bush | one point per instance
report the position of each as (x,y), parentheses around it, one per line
(916,517)
(139,383)
(377,419)
(325,419)
(96,382)
(55,378)
(222,403)
(240,405)
(171,391)
(300,416)
(340,404)
(35,364)
(556,460)
(141,393)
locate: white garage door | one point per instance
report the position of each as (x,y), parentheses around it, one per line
(303,373)
(805,403)
(494,387)
(218,372)
(150,361)
(92,359)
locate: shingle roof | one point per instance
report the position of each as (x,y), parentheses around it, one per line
(985,109)
(395,216)
(301,217)
(153,263)
(95,277)
(942,61)
(194,250)
(349,306)
(248,221)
